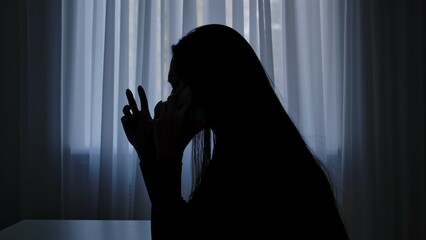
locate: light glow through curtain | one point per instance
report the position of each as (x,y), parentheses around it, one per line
(112,45)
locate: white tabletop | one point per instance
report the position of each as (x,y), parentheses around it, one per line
(78,229)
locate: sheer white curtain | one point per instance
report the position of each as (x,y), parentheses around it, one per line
(108,46)
(112,45)
(342,87)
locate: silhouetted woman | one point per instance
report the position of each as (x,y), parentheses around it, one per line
(255,178)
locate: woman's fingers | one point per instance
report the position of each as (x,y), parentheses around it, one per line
(126,110)
(132,102)
(144,101)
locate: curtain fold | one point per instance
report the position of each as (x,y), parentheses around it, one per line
(40,113)
(384,158)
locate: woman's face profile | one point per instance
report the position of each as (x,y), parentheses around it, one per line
(173,78)
(196,115)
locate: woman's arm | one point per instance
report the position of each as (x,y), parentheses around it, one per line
(169,213)
(160,143)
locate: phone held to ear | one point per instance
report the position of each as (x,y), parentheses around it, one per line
(195,113)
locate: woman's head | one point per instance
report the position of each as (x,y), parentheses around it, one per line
(228,80)
(222,70)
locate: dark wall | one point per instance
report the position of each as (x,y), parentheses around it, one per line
(29,111)
(12,51)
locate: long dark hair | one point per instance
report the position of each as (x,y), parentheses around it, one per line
(209,58)
(228,79)
(222,67)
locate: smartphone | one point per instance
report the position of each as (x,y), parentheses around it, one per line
(196,113)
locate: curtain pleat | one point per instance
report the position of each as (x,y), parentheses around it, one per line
(238,16)
(265,37)
(214,12)
(40,166)
(106,185)
(189,15)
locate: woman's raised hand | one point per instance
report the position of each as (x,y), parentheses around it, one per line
(138,123)
(170,131)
